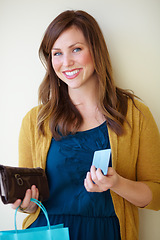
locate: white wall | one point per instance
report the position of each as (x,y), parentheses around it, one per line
(132,31)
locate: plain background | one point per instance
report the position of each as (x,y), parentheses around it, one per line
(132,32)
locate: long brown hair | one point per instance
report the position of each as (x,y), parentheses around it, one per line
(56,105)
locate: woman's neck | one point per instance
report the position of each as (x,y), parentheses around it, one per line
(86,101)
(85,96)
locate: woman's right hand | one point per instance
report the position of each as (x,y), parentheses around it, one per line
(27,206)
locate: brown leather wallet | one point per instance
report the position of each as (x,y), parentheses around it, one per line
(14,182)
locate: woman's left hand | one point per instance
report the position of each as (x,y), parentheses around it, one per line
(136,192)
(95,181)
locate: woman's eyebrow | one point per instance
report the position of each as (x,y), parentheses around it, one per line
(75,44)
(72,45)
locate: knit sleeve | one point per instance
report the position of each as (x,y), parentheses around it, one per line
(148,164)
(26,139)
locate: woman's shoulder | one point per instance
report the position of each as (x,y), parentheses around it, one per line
(31,117)
(138,111)
(33,112)
(138,107)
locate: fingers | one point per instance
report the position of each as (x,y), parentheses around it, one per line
(97,175)
(16,203)
(110,172)
(30,193)
(89,184)
(93,174)
(26,204)
(95,180)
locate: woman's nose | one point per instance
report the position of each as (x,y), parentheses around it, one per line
(67,61)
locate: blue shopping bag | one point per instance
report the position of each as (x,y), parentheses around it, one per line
(56,232)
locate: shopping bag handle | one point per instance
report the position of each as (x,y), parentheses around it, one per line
(42,208)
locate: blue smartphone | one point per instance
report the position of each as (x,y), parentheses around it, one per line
(101,160)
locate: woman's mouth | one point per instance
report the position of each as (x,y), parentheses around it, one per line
(72,73)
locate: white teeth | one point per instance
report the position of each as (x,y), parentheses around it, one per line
(71,73)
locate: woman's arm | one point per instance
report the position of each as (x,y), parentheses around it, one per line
(135,192)
(25,160)
(144,191)
(25,143)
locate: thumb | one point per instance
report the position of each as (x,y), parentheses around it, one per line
(110,172)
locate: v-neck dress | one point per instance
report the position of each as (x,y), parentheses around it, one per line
(88,215)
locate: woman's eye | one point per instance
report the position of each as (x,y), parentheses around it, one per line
(77,50)
(57,54)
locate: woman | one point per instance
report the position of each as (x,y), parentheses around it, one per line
(82,111)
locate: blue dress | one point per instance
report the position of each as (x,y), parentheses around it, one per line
(88,215)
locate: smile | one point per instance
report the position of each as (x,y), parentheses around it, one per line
(72,74)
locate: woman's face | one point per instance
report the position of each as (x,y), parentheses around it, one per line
(71,59)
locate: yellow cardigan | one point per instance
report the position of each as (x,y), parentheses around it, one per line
(135,156)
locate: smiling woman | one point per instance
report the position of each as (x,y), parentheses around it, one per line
(65,29)
(82,111)
(72,60)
